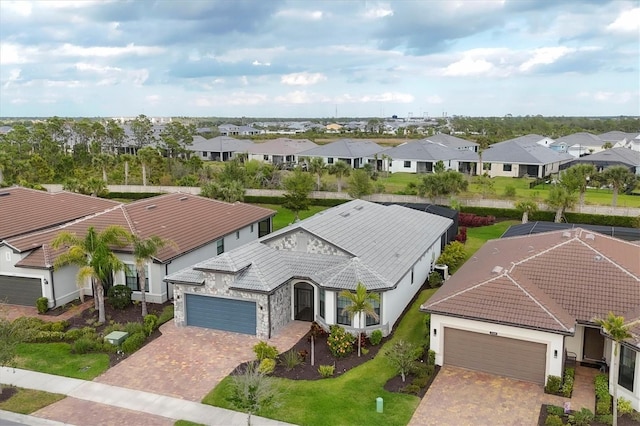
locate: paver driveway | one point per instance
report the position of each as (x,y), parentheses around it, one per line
(188,362)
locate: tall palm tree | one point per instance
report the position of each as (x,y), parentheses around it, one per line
(104,161)
(341,170)
(360,306)
(126,159)
(92,254)
(527,207)
(146,156)
(144,249)
(577,178)
(317,167)
(618,177)
(560,199)
(616,330)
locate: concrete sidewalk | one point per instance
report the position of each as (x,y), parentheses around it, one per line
(7,418)
(140,401)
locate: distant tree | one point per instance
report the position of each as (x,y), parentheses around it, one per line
(439,167)
(576,178)
(526,207)
(485,183)
(340,169)
(228,191)
(360,307)
(607,145)
(317,167)
(142,130)
(441,184)
(560,199)
(126,159)
(175,140)
(114,136)
(93,186)
(297,185)
(360,184)
(147,156)
(104,161)
(620,178)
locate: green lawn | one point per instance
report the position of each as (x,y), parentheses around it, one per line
(476,237)
(27,401)
(285,217)
(187,423)
(350,398)
(397,182)
(56,358)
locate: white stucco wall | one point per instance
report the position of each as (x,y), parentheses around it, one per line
(634,396)
(497,169)
(397,166)
(554,342)
(66,287)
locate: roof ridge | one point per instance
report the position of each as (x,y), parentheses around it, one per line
(480,284)
(545,251)
(610,260)
(129,221)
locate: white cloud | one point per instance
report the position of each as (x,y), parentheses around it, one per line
(302,78)
(392,97)
(83,66)
(297,97)
(22,8)
(68,49)
(627,22)
(14,75)
(378,11)
(545,56)
(153,99)
(260,64)
(468,66)
(309,15)
(15,54)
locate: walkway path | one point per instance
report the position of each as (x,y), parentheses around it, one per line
(140,401)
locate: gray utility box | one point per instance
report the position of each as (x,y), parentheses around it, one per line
(116,337)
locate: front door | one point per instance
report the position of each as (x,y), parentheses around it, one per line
(593,348)
(303,302)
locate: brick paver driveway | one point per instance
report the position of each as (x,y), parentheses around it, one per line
(462,397)
(188,362)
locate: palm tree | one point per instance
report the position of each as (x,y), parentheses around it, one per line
(126,159)
(560,199)
(614,327)
(144,249)
(618,177)
(527,207)
(340,169)
(317,167)
(103,161)
(577,178)
(146,156)
(360,306)
(92,253)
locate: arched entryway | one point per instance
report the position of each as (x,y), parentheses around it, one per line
(303,309)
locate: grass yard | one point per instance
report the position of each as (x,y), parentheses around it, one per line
(350,398)
(285,216)
(476,237)
(56,358)
(27,401)
(187,423)
(397,182)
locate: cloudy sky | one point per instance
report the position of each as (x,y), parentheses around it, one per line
(309,58)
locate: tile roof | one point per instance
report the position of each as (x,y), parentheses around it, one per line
(220,144)
(523,150)
(427,150)
(451,141)
(26,210)
(614,155)
(357,230)
(568,276)
(189,221)
(582,138)
(346,148)
(281,146)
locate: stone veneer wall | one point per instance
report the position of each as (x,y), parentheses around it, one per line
(305,242)
(280,308)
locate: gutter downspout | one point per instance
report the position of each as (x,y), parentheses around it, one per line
(53,290)
(269,314)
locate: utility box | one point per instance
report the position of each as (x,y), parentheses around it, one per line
(116,337)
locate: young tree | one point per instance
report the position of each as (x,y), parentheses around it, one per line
(560,199)
(103,161)
(147,156)
(526,207)
(298,186)
(92,254)
(144,250)
(317,167)
(614,327)
(485,183)
(252,391)
(440,184)
(576,178)
(439,167)
(403,357)
(360,184)
(341,170)
(10,336)
(619,177)
(126,159)
(360,306)
(229,191)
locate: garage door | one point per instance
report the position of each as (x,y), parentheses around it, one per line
(502,356)
(19,290)
(221,314)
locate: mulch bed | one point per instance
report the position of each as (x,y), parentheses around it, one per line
(7,393)
(625,420)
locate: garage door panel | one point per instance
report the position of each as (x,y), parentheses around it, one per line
(513,358)
(19,290)
(221,314)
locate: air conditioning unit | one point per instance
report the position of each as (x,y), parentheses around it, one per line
(442,269)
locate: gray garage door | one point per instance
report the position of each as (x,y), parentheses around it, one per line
(19,290)
(221,314)
(513,358)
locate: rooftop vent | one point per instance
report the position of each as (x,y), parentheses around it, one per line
(184,198)
(566,234)
(496,269)
(4,194)
(358,207)
(152,206)
(590,237)
(598,258)
(530,249)
(344,214)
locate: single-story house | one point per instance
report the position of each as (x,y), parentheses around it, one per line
(421,157)
(198,227)
(354,152)
(581,143)
(611,157)
(279,151)
(523,156)
(297,273)
(220,148)
(454,142)
(522,306)
(537,227)
(233,130)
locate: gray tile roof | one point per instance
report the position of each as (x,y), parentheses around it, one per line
(378,245)
(616,136)
(582,138)
(451,141)
(281,146)
(427,150)
(613,155)
(346,148)
(220,144)
(523,150)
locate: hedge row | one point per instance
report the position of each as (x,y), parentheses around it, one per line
(131,195)
(323,202)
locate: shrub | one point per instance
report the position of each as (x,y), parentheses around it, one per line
(133,342)
(39,336)
(473,221)
(624,406)
(134,327)
(603,406)
(420,381)
(84,345)
(607,419)
(29,323)
(326,370)
(76,333)
(553,420)
(166,315)
(113,327)
(581,418)
(317,330)
(303,354)
(603,398)
(554,409)
(119,296)
(411,389)
(376,337)
(432,358)
(453,255)
(263,350)
(435,279)
(150,323)
(340,342)
(567,386)
(42,305)
(553,384)
(290,359)
(267,365)
(462,235)
(509,191)
(59,325)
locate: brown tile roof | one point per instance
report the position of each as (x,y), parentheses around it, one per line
(567,276)
(189,221)
(26,210)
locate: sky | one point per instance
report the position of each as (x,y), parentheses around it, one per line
(284,58)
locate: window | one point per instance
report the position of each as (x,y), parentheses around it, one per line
(220,246)
(7,256)
(407,164)
(343,319)
(131,278)
(204,154)
(321,296)
(265,157)
(506,167)
(330,160)
(627,368)
(237,235)
(264,227)
(251,229)
(376,308)
(486,166)
(411,275)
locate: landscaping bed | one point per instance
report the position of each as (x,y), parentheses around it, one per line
(624,420)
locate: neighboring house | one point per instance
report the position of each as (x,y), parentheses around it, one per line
(523,156)
(279,151)
(421,157)
(538,227)
(221,148)
(298,272)
(454,142)
(611,157)
(333,128)
(354,152)
(581,143)
(233,130)
(520,305)
(198,227)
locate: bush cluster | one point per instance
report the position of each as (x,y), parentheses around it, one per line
(462,234)
(326,371)
(133,342)
(263,350)
(340,342)
(150,323)
(42,305)
(453,255)
(567,385)
(166,315)
(119,296)
(376,337)
(553,384)
(603,398)
(473,221)
(267,365)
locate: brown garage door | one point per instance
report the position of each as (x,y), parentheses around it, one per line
(513,358)
(19,290)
